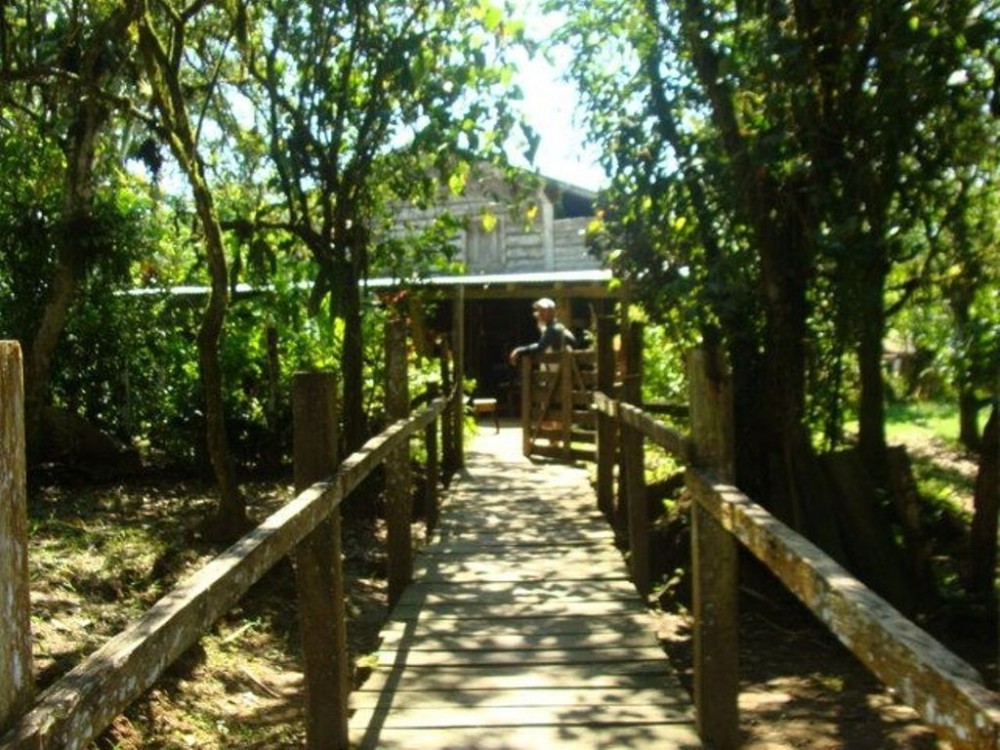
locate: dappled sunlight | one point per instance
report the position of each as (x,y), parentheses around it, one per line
(522,629)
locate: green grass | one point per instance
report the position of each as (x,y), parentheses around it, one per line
(930,429)
(941,465)
(922,419)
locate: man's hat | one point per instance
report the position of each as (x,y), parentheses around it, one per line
(544,304)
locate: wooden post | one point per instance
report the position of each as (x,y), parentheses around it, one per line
(399,503)
(318,567)
(16,668)
(432,511)
(449,461)
(606,429)
(714,558)
(458,355)
(527,401)
(631,393)
(565,375)
(634,462)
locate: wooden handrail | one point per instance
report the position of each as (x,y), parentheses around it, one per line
(79,706)
(674,442)
(948,693)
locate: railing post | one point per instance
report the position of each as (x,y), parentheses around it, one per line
(458,356)
(631,393)
(636,502)
(606,429)
(449,462)
(565,375)
(527,403)
(318,567)
(16,671)
(432,511)
(399,502)
(714,558)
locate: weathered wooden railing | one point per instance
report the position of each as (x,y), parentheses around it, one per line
(556,390)
(79,706)
(948,694)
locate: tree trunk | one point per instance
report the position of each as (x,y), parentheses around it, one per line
(231,519)
(73,256)
(960,297)
(983,541)
(871,414)
(272,413)
(968,417)
(355,428)
(168,97)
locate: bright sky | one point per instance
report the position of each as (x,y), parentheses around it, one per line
(550,105)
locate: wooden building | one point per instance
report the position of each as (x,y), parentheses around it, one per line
(516,243)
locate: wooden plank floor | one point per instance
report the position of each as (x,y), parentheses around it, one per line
(521,630)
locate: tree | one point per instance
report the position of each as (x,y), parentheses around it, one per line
(63,72)
(165,59)
(774,152)
(983,553)
(362,102)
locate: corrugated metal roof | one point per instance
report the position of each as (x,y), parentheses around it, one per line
(533,278)
(590,276)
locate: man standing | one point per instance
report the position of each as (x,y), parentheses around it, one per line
(555,336)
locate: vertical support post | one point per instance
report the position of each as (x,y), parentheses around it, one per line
(458,355)
(16,670)
(714,558)
(565,376)
(636,498)
(449,462)
(432,470)
(318,567)
(399,502)
(631,394)
(606,428)
(527,403)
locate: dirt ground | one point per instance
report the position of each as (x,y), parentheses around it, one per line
(799,688)
(101,555)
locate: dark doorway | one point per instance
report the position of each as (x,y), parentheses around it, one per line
(492,328)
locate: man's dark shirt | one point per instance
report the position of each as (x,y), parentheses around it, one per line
(553,338)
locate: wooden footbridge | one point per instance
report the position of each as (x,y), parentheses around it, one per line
(521,628)
(518,626)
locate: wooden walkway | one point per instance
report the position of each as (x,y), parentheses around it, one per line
(521,630)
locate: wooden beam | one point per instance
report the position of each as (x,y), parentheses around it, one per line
(947,692)
(607,431)
(399,503)
(16,670)
(526,373)
(449,460)
(319,575)
(458,355)
(677,444)
(714,561)
(636,521)
(78,707)
(433,467)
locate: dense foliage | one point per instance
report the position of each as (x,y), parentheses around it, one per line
(181,185)
(802,182)
(809,184)
(802,179)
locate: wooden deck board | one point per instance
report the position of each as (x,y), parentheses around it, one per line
(555,697)
(521,629)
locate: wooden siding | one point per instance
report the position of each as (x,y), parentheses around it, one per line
(516,243)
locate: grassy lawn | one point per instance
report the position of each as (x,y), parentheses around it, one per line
(944,470)
(923,420)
